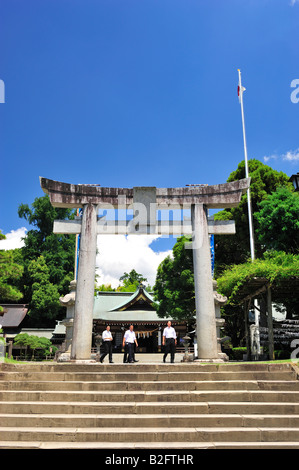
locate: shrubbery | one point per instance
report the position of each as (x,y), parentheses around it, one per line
(35,346)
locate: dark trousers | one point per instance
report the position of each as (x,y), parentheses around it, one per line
(169,348)
(107,350)
(129,351)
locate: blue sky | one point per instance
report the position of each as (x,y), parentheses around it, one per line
(143,92)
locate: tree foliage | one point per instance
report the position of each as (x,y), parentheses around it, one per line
(56,266)
(235,249)
(174,286)
(129,282)
(278,221)
(274,267)
(10,273)
(58,250)
(44,305)
(33,342)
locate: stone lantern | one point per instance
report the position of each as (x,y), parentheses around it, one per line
(186,342)
(68,301)
(219,300)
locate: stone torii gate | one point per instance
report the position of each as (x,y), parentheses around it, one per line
(145,202)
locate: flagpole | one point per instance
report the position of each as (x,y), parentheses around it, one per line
(251,237)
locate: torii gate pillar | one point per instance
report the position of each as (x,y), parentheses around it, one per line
(203,284)
(82,331)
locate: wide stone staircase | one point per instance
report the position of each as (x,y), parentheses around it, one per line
(149,406)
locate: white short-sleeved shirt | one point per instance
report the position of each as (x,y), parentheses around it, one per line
(130,336)
(169,332)
(106,335)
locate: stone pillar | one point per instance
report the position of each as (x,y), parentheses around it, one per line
(82,331)
(68,301)
(219,300)
(10,343)
(203,283)
(270,325)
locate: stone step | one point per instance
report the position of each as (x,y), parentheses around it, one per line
(141,408)
(152,385)
(158,396)
(147,367)
(149,406)
(146,376)
(147,420)
(148,446)
(155,434)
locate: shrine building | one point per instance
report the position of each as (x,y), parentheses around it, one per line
(121,309)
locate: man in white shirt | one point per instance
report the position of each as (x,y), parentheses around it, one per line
(169,341)
(107,342)
(128,344)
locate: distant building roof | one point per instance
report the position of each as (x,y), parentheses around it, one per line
(126,307)
(14,314)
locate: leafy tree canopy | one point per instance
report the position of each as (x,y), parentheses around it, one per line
(34,342)
(58,250)
(10,273)
(174,286)
(48,259)
(234,249)
(44,305)
(42,214)
(278,221)
(274,266)
(129,282)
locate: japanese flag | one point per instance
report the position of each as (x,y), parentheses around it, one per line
(240,91)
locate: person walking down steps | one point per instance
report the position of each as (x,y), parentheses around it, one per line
(169,341)
(107,341)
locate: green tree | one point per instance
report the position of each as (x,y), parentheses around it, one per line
(235,249)
(58,252)
(44,304)
(130,281)
(174,286)
(278,221)
(275,268)
(10,273)
(34,342)
(22,340)
(104,288)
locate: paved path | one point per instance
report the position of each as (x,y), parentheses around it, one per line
(146,358)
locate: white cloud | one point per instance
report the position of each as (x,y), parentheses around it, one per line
(271,157)
(13,239)
(116,254)
(290,156)
(292,2)
(120,253)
